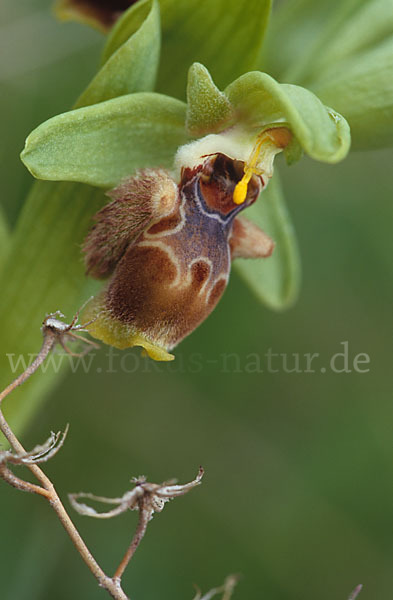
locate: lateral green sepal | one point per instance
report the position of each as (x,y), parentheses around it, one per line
(103,143)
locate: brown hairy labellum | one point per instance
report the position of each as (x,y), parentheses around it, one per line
(167,250)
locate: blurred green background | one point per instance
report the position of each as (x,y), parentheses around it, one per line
(298,490)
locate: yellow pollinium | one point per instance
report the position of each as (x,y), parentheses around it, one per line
(268,142)
(240,191)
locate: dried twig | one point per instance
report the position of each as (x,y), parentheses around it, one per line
(39,454)
(54,331)
(145,497)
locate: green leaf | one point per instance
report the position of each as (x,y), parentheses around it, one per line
(131,56)
(44,273)
(103,143)
(208,109)
(306,37)
(368,26)
(225,35)
(275,280)
(361,88)
(5,236)
(299,31)
(322,132)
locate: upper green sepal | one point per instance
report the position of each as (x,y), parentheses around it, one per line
(208,109)
(321,132)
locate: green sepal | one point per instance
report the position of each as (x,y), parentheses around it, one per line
(208,109)
(103,143)
(131,56)
(274,280)
(322,132)
(225,35)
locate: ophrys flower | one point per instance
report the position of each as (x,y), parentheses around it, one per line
(116,133)
(168,247)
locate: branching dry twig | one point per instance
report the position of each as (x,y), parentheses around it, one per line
(145,497)
(54,331)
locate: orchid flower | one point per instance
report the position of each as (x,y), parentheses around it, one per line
(158,156)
